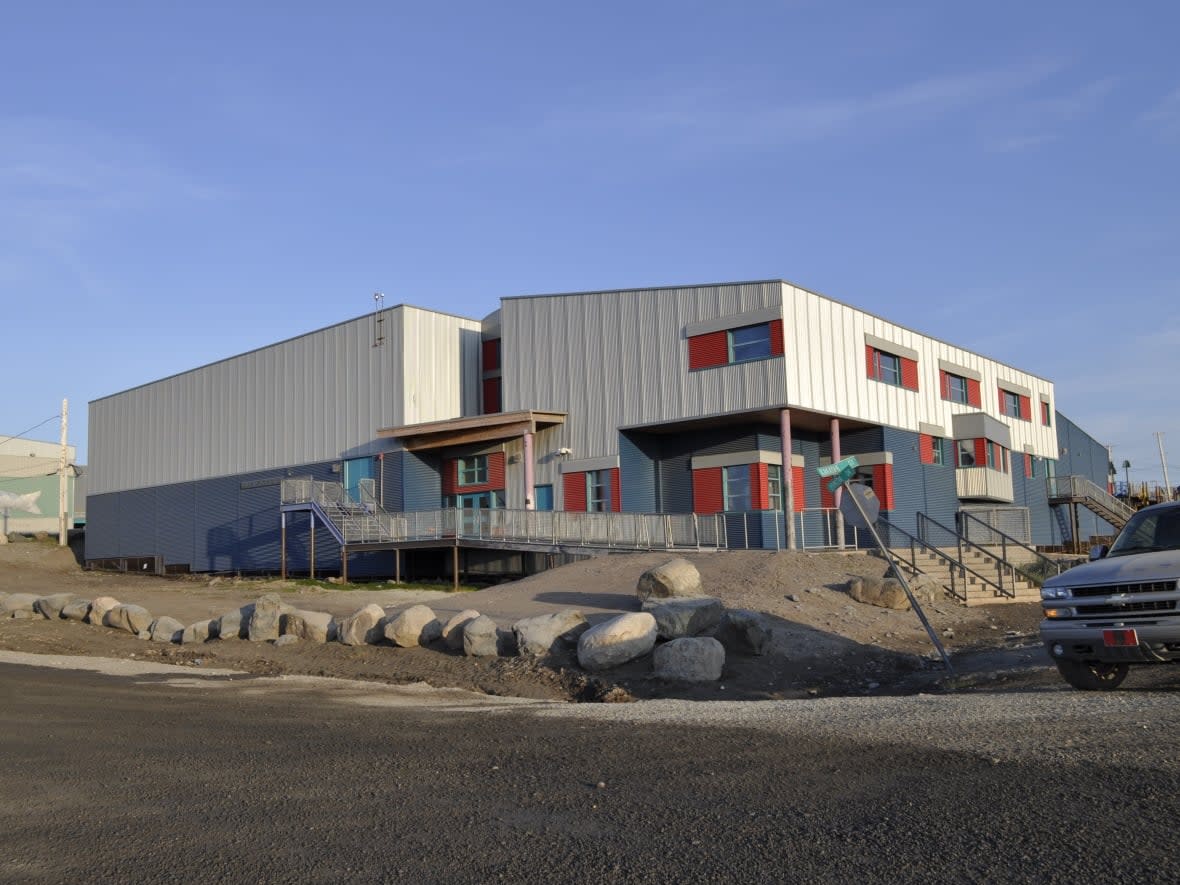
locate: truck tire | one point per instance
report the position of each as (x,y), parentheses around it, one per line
(1093,677)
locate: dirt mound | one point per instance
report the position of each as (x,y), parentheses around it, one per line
(823,642)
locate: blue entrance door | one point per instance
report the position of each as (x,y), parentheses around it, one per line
(356,469)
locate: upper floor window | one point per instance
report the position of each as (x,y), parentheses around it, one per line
(956,388)
(997,457)
(736,486)
(749,343)
(1015,405)
(473,470)
(774,486)
(936,451)
(966,453)
(1046,414)
(889,368)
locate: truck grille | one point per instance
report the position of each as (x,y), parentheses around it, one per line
(1118,608)
(1115,589)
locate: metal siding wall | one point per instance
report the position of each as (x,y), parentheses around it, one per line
(137,523)
(918,487)
(391,481)
(614,359)
(174,531)
(422,483)
(317,397)
(675,475)
(1082,455)
(826,371)
(215,525)
(638,476)
(102,527)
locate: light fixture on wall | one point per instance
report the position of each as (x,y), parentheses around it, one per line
(565,451)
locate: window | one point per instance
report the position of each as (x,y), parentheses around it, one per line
(544,497)
(956,389)
(886,367)
(749,343)
(1046,415)
(966,453)
(1009,403)
(598,491)
(473,470)
(736,487)
(936,452)
(774,486)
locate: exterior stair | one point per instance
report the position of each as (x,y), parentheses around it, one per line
(970,589)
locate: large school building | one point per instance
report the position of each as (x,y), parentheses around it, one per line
(703,411)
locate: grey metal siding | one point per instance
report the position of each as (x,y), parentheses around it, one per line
(392,489)
(1082,455)
(637,476)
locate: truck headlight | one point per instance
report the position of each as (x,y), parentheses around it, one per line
(1057,613)
(1055,593)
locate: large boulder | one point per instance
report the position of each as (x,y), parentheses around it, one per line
(480,638)
(545,634)
(677,577)
(690,659)
(309,626)
(76,610)
(99,608)
(18,602)
(50,606)
(201,631)
(617,641)
(362,627)
(417,625)
(166,629)
(235,624)
(133,618)
(685,617)
(744,631)
(879,592)
(452,631)
(266,619)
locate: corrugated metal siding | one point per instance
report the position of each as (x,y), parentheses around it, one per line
(137,523)
(918,487)
(177,523)
(708,495)
(102,528)
(391,486)
(422,482)
(308,399)
(616,359)
(827,371)
(675,483)
(1082,455)
(639,490)
(573,492)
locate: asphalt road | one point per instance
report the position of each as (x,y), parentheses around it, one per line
(183,777)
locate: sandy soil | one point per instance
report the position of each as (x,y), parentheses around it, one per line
(824,642)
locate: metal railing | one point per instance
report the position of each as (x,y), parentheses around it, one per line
(928,527)
(1006,542)
(956,570)
(1093,495)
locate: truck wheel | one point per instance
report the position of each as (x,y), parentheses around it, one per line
(1093,677)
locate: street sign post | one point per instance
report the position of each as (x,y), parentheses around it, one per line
(861,508)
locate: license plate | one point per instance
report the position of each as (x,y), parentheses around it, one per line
(1119,638)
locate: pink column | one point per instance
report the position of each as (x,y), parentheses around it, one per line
(529,482)
(836,456)
(784,421)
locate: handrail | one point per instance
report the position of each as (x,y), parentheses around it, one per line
(1084,487)
(952,564)
(923,519)
(1006,539)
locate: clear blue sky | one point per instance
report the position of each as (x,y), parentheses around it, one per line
(182,182)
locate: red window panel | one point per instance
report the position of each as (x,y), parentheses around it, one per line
(974,398)
(981,453)
(944,384)
(797,489)
(759,487)
(776,338)
(705,351)
(491,395)
(870,361)
(1028,466)
(1001,401)
(495,471)
(491,354)
(909,373)
(1025,408)
(495,483)
(827,498)
(883,485)
(616,491)
(926,448)
(450,476)
(573,498)
(707,496)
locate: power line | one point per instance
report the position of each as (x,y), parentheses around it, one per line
(31,429)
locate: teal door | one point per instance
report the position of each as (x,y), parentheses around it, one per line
(356,469)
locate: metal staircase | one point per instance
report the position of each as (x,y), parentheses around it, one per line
(1081,490)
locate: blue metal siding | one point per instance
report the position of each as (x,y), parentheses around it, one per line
(917,487)
(421,482)
(637,476)
(137,522)
(1082,455)
(174,531)
(102,526)
(675,478)
(391,485)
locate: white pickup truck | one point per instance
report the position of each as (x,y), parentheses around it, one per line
(1121,608)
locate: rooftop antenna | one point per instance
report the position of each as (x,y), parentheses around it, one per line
(378,319)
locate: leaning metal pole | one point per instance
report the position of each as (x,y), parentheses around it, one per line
(901,580)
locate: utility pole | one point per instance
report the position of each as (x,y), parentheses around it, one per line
(61,476)
(1159,439)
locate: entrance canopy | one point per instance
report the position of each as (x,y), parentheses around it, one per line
(480,428)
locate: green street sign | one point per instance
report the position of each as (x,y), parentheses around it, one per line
(841,472)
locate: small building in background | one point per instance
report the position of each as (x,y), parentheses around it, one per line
(29,485)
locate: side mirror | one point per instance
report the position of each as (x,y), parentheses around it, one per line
(1098,551)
